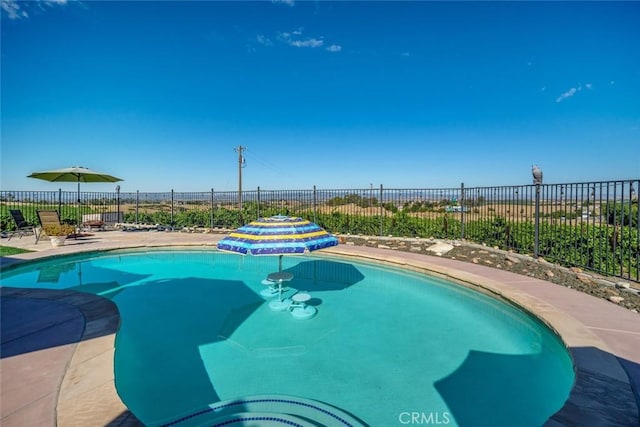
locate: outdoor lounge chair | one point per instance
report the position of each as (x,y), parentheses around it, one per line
(22,226)
(49,217)
(92,222)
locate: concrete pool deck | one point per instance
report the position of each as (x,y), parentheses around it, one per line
(58,346)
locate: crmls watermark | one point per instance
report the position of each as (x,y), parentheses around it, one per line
(424,418)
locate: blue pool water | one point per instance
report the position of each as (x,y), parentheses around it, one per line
(388,346)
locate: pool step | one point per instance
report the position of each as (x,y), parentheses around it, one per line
(262,419)
(269,410)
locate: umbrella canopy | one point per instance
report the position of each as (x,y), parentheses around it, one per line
(74,174)
(278,235)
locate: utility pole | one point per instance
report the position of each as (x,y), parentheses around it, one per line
(239,150)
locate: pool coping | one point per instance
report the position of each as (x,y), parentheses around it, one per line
(603,393)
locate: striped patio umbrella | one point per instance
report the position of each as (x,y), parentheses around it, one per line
(278,235)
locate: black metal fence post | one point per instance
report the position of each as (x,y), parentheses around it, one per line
(381,212)
(634,197)
(172,208)
(258,201)
(118,204)
(536,241)
(462,209)
(212,207)
(315,203)
(137,205)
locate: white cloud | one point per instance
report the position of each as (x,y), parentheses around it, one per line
(13,10)
(289,3)
(287,36)
(291,41)
(573,91)
(263,40)
(567,94)
(295,39)
(306,43)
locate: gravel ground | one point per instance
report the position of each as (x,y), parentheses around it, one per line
(609,288)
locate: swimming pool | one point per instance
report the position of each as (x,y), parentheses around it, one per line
(388,346)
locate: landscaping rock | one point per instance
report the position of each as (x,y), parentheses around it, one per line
(512,259)
(440,248)
(574,277)
(584,279)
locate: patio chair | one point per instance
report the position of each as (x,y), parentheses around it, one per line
(92,222)
(49,217)
(22,226)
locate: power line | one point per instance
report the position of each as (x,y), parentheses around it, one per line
(265,163)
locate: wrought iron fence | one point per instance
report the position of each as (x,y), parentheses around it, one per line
(592,225)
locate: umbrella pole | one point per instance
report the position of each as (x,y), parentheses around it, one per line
(280,281)
(80,274)
(78,211)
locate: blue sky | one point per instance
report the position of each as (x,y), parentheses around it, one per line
(332,94)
